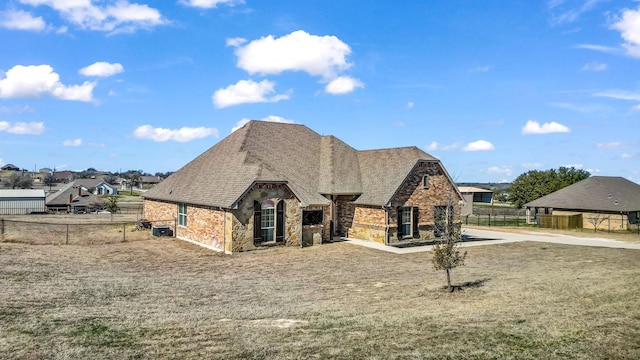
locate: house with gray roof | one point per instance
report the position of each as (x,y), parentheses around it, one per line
(604,202)
(73,199)
(284,184)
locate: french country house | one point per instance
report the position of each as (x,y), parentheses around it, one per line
(284,184)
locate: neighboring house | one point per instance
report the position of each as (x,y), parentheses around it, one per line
(95,186)
(64,176)
(22,202)
(274,183)
(73,199)
(611,203)
(150,180)
(10,167)
(472,194)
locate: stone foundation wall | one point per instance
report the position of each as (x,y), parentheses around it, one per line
(242,223)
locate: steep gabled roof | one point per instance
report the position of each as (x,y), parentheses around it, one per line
(384,170)
(310,164)
(258,152)
(597,193)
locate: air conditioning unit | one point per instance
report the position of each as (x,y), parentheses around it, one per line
(161,231)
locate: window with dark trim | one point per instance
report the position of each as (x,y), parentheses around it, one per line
(312,217)
(408,218)
(268,222)
(182,214)
(425,181)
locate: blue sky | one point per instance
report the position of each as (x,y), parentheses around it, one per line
(492,88)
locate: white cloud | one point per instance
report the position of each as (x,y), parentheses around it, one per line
(34,81)
(477,69)
(246,91)
(629,26)
(628,156)
(343,85)
(534,127)
(101,69)
(505,170)
(270,118)
(21,20)
(532,165)
(410,105)
(594,66)
(72,143)
(235,42)
(437,146)
(577,166)
(565,13)
(324,56)
(16,109)
(183,134)
(619,94)
(22,128)
(615,145)
(114,16)
(210,4)
(599,48)
(480,145)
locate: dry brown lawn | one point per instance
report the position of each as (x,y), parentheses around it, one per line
(164,298)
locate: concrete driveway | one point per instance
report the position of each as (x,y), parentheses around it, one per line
(482,237)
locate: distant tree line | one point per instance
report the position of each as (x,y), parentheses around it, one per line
(536,183)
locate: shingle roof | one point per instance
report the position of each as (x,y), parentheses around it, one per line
(598,193)
(309,163)
(384,170)
(61,197)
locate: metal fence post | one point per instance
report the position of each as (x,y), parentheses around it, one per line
(67,238)
(2,230)
(124,232)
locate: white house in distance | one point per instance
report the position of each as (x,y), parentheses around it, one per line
(22,202)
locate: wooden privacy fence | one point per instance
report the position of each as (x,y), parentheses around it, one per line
(560,222)
(58,233)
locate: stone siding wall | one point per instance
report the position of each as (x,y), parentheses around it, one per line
(344,214)
(440,192)
(369,223)
(242,227)
(204,225)
(155,211)
(315,234)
